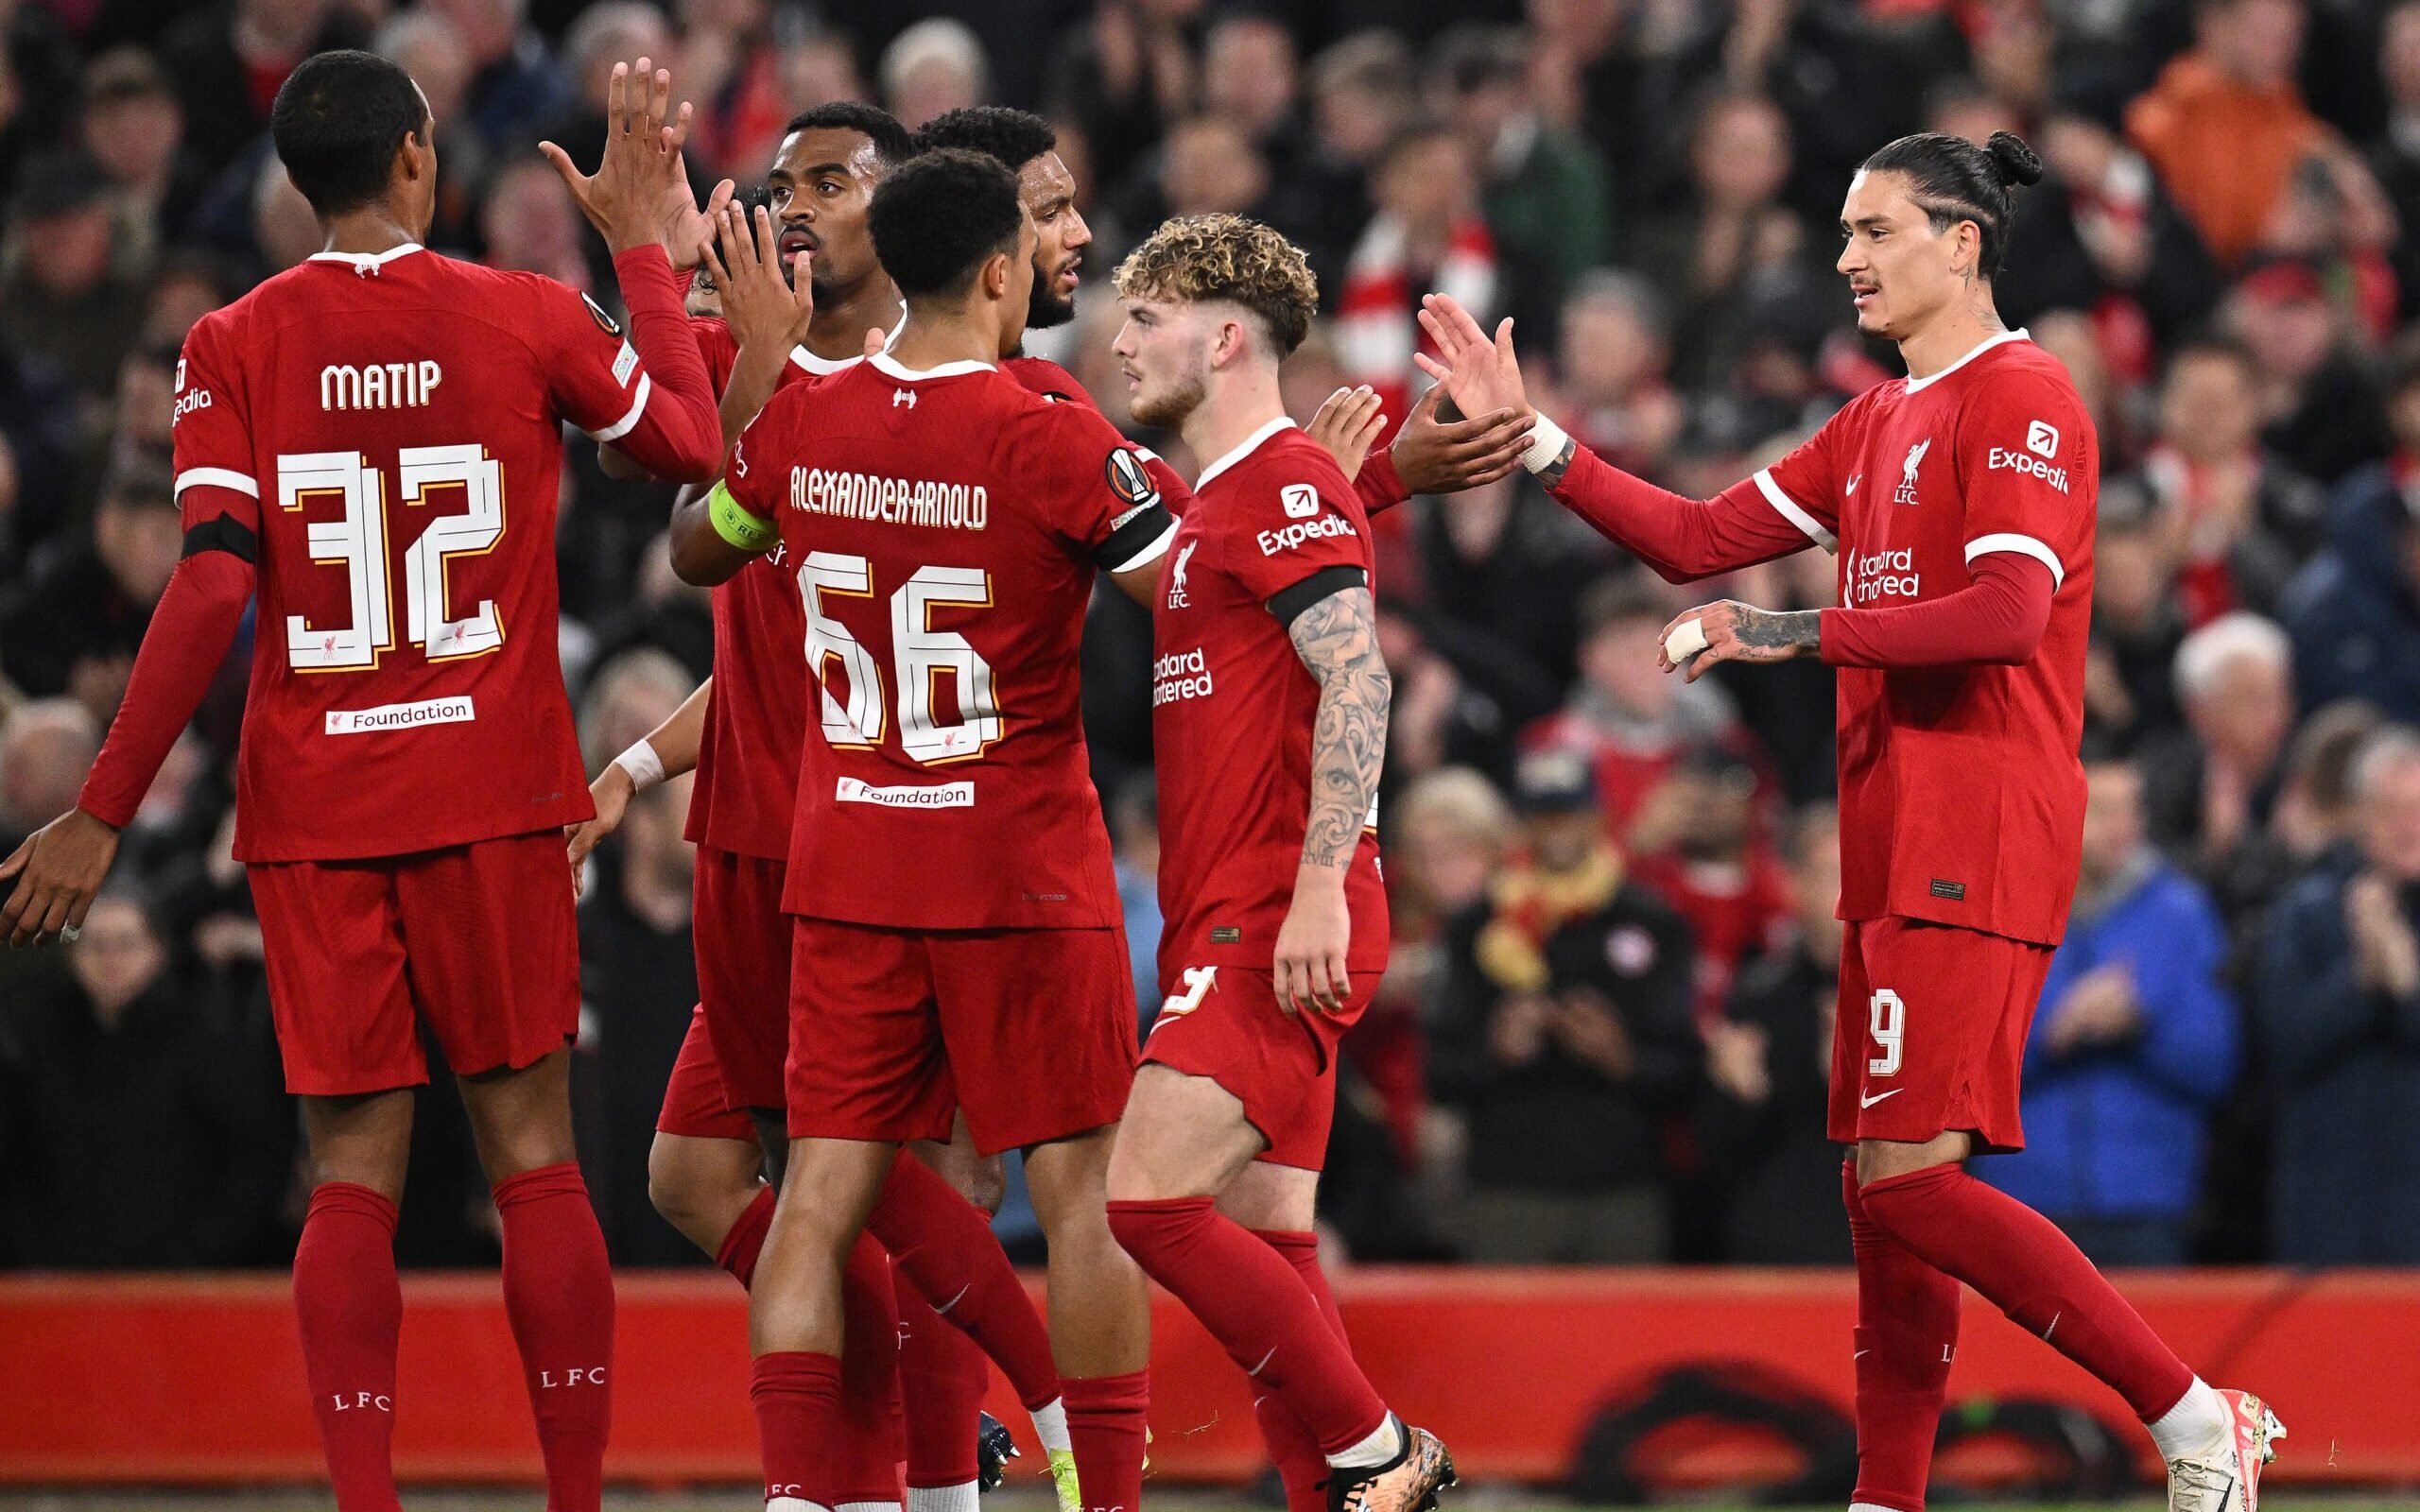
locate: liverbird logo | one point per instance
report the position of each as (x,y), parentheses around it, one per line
(1176,577)
(1907,490)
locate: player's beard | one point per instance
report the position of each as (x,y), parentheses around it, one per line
(1169,410)
(1046,308)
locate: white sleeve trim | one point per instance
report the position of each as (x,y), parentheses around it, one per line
(1158,549)
(638,406)
(216,477)
(2023,546)
(1792,512)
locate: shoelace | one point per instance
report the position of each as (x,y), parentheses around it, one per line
(2200,1475)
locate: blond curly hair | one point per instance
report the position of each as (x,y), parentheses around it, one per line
(1194,258)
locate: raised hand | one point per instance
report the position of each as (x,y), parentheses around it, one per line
(1439,456)
(640,191)
(1346,426)
(764,310)
(1481,376)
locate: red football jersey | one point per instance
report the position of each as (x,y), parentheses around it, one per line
(748,757)
(389,429)
(1233,705)
(1961,797)
(944,529)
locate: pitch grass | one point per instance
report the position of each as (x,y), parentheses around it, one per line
(1478,1498)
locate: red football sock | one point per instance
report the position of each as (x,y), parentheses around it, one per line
(746,1240)
(2021,1263)
(866,1469)
(796,1394)
(944,1245)
(1907,1329)
(942,1378)
(1105,1427)
(558,1297)
(1256,1305)
(350,1310)
(1292,1448)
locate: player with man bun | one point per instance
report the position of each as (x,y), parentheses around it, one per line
(1961,502)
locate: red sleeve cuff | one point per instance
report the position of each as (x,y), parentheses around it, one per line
(1378,484)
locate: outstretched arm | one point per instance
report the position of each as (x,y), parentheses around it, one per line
(1996,620)
(1337,637)
(1683,538)
(663,753)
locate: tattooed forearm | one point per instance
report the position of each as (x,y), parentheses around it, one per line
(1552,472)
(1338,639)
(1764,629)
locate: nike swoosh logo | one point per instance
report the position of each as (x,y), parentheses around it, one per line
(1853,483)
(1869,1102)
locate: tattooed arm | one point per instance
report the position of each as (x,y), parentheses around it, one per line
(1337,637)
(1742,632)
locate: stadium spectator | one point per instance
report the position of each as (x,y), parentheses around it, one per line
(2235,517)
(1504,570)
(2318,406)
(1614,383)
(2225,125)
(2133,1044)
(1361,93)
(1564,1038)
(431,49)
(2208,790)
(1440,716)
(1427,234)
(529,222)
(134,129)
(1126,77)
(72,624)
(638,972)
(1734,239)
(1701,844)
(46,747)
(516,85)
(2340,1032)
(1769,1063)
(2354,611)
(229,58)
(1632,724)
(932,68)
(1546,196)
(69,292)
(1134,832)
(2130,682)
(2395,156)
(134,1131)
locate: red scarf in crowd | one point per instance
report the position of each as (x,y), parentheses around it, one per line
(1376,327)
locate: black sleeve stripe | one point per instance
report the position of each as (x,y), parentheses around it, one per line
(1328,582)
(225,533)
(1141,526)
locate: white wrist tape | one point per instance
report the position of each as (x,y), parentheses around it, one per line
(1686,640)
(645,768)
(1546,444)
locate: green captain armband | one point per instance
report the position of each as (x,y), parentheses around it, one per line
(735,524)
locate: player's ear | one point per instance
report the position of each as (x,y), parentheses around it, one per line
(997,270)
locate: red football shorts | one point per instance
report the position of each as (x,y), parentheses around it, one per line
(478,940)
(1225,1022)
(695,1106)
(1930,1034)
(743,944)
(892,1031)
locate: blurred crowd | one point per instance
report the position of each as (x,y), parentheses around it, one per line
(1604,1037)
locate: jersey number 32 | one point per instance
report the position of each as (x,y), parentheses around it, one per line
(356,539)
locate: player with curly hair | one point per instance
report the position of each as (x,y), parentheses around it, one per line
(1270,722)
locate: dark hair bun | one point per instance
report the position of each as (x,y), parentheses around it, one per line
(2017,164)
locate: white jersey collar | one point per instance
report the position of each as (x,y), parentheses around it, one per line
(366,261)
(808,362)
(885,363)
(1250,444)
(1918,384)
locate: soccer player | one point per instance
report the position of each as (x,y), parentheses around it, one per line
(1427,456)
(372,441)
(1960,501)
(743,734)
(945,524)
(1270,719)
